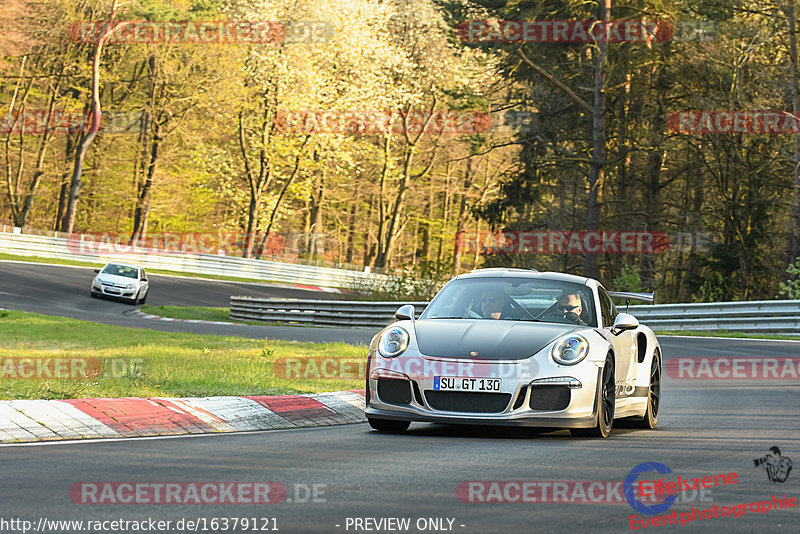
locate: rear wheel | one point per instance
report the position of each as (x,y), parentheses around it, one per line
(605,405)
(650,418)
(388,425)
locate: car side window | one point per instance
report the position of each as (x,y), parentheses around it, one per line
(607,308)
(143,276)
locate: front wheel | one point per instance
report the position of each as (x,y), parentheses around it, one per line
(605,405)
(388,425)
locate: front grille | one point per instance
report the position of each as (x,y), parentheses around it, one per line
(550,398)
(394,391)
(460,401)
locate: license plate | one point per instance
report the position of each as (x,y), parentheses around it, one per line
(453,383)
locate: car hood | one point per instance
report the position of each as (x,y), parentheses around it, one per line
(490,339)
(114,279)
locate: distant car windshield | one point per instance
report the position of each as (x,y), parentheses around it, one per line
(121,270)
(514,299)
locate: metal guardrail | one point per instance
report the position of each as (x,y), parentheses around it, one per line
(229,266)
(766,316)
(318,312)
(760,316)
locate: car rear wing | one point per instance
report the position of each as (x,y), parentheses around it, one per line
(649,298)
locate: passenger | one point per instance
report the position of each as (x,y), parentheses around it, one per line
(493,303)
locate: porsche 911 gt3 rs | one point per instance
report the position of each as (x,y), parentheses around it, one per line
(516,347)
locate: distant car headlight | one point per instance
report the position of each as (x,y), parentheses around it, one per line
(130,286)
(393,342)
(96,282)
(570,349)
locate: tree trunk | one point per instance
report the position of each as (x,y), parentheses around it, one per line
(463,218)
(317,198)
(13,176)
(87,139)
(427,225)
(40,156)
(382,200)
(385,255)
(143,155)
(351,225)
(793,234)
(622,202)
(297,161)
(591,265)
(142,212)
(409,152)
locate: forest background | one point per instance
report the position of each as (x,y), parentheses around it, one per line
(423,137)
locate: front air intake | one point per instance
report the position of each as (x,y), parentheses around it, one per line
(459,401)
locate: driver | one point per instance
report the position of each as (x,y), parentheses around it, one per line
(569,307)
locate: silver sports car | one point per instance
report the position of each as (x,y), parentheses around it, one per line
(516,347)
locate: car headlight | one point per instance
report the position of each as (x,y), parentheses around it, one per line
(570,350)
(130,286)
(393,342)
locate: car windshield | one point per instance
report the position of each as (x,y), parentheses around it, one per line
(514,299)
(121,270)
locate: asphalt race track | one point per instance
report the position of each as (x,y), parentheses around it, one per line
(707,428)
(64,291)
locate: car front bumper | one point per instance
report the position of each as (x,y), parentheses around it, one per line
(113,291)
(524,400)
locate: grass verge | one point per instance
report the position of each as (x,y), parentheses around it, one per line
(725,333)
(136,362)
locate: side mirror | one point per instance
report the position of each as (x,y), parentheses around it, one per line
(624,321)
(97,271)
(405,313)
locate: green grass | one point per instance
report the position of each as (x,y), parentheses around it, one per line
(724,333)
(141,363)
(56,261)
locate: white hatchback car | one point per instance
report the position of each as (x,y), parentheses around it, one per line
(121,280)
